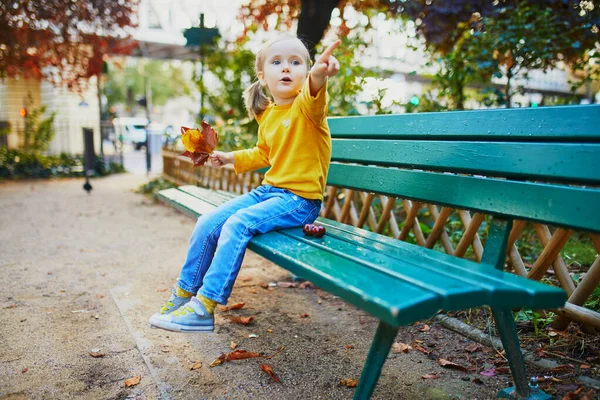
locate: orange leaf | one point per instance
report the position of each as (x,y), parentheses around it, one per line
(241,320)
(218,361)
(241,355)
(199,144)
(424,328)
(269,371)
(196,365)
(235,306)
(133,381)
(304,315)
(450,364)
(400,348)
(349,382)
(96,354)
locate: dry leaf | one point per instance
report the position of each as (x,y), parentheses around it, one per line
(420,348)
(199,144)
(235,306)
(133,381)
(400,348)
(450,364)
(196,365)
(305,284)
(241,320)
(96,354)
(473,347)
(424,328)
(304,315)
(218,361)
(286,284)
(232,344)
(269,330)
(241,355)
(24,370)
(584,366)
(269,371)
(349,346)
(430,376)
(349,382)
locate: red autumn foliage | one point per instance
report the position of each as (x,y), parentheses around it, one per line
(63,41)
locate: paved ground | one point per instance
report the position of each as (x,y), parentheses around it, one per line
(81,274)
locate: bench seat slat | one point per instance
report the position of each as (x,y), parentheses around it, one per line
(573,123)
(562,162)
(555,205)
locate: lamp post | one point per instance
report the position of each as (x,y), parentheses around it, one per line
(200,37)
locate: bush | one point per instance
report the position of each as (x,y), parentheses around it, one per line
(20,164)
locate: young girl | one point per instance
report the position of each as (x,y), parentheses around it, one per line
(294,140)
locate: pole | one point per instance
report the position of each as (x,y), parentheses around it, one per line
(148,94)
(100,112)
(201,71)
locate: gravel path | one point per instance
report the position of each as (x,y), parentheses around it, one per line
(81,274)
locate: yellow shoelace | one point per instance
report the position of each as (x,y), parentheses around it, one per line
(166,307)
(183,311)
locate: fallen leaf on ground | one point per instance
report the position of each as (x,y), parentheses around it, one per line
(400,348)
(286,284)
(450,364)
(304,315)
(133,381)
(196,365)
(305,284)
(232,344)
(235,306)
(270,330)
(424,328)
(96,354)
(589,395)
(473,347)
(241,320)
(561,368)
(24,370)
(349,382)
(488,372)
(218,361)
(349,346)
(241,355)
(264,285)
(430,376)
(420,348)
(584,366)
(269,371)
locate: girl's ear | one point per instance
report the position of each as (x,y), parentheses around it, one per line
(261,78)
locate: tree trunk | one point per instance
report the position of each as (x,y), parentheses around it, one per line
(313,21)
(507,91)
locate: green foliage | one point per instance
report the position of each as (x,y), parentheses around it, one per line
(5,128)
(38,134)
(539,322)
(167,80)
(155,186)
(232,65)
(20,164)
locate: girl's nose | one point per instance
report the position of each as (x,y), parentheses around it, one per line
(285,67)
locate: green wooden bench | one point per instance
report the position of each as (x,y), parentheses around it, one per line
(533,164)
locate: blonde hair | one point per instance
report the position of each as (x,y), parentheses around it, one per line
(255,99)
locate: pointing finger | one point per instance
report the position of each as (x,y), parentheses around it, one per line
(327,53)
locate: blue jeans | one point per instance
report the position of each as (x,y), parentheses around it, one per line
(220,237)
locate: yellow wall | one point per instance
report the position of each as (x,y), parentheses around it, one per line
(14,94)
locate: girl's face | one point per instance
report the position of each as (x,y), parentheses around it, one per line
(284,70)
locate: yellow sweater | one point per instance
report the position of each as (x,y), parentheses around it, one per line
(294,141)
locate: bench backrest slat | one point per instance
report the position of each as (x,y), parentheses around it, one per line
(562,162)
(569,123)
(553,204)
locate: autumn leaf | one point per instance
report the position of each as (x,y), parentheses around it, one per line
(241,355)
(241,320)
(424,328)
(133,381)
(199,143)
(96,354)
(235,306)
(232,344)
(218,361)
(400,348)
(349,382)
(450,364)
(269,371)
(304,315)
(473,347)
(420,348)
(196,365)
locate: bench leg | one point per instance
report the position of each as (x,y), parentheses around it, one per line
(380,348)
(508,334)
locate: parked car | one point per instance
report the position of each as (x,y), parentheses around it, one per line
(131,130)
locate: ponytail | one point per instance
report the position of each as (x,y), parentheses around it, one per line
(255,100)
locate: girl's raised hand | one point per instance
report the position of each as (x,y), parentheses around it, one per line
(218,158)
(326,65)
